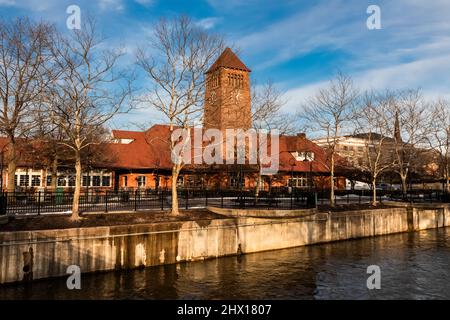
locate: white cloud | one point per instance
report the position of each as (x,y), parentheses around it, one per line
(430,75)
(7,2)
(146,3)
(113,5)
(208,23)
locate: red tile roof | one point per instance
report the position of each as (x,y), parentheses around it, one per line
(228,59)
(150,150)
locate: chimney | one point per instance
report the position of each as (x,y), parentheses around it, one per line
(301,135)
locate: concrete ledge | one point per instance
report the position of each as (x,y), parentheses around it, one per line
(134,246)
(262,213)
(416,205)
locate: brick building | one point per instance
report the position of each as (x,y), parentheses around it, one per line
(141,159)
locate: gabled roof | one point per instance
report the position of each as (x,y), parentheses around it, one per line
(150,150)
(228,59)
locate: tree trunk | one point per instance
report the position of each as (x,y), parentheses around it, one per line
(76,195)
(447,179)
(11,165)
(175,173)
(374,192)
(404,184)
(54,173)
(332,181)
(258,184)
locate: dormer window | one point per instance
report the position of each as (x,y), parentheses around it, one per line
(123,141)
(303,155)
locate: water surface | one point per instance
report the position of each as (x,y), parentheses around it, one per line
(413,266)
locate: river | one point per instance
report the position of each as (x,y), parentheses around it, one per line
(413,266)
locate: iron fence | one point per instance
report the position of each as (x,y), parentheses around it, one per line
(36,203)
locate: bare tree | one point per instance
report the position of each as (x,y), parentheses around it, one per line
(373,123)
(267,101)
(439,139)
(89,91)
(176,62)
(411,132)
(24,50)
(330,112)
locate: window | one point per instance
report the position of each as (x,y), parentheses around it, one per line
(24,180)
(236,181)
(71,181)
(96,181)
(304,155)
(298,182)
(106,181)
(86,181)
(35,181)
(235,80)
(189,181)
(61,181)
(180,181)
(141,181)
(49,180)
(125,181)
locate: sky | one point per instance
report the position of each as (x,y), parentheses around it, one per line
(298,45)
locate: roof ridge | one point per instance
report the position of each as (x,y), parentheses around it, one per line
(228,59)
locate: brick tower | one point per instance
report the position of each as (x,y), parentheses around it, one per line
(227,94)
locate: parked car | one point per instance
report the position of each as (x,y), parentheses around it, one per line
(358,185)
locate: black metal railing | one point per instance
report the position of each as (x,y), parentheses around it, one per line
(366,196)
(36,203)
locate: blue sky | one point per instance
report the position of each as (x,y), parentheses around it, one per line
(299,45)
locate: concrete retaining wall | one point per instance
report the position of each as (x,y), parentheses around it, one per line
(41,254)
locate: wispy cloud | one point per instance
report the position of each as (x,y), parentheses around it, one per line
(113,5)
(146,3)
(208,23)
(7,2)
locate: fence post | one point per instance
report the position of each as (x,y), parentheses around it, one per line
(106,201)
(206,198)
(292,194)
(39,203)
(187,199)
(221,199)
(162,199)
(135,199)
